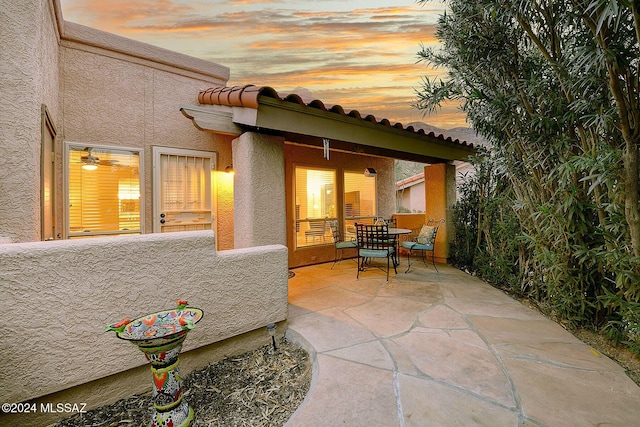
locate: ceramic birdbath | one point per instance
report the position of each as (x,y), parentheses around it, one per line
(160,336)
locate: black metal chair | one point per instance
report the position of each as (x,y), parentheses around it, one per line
(338,241)
(423,241)
(374,241)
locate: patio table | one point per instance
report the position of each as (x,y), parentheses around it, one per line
(398,232)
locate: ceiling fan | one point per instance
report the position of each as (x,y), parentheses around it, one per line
(91,161)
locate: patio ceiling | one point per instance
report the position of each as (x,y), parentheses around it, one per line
(237,109)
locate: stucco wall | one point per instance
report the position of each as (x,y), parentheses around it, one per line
(412,197)
(386,186)
(58,297)
(99,88)
(28,78)
(120,92)
(440,196)
(259,213)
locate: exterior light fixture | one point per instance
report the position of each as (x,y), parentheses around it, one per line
(229,169)
(370,172)
(271,329)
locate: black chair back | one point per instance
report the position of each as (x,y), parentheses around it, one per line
(374,237)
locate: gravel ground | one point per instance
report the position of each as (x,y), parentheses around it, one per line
(259,388)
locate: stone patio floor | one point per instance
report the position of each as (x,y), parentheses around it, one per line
(443,349)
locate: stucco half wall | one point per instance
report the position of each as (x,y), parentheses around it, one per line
(58,296)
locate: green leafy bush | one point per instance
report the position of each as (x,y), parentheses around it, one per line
(553,211)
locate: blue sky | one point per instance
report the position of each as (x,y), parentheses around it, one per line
(359,54)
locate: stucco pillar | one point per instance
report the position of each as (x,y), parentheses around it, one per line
(259,190)
(28,67)
(440,196)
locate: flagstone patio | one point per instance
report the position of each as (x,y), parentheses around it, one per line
(444,349)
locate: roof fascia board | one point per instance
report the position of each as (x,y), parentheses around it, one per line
(290,117)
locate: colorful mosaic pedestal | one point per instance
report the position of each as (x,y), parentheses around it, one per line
(160,336)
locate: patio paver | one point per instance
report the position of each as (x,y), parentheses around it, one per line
(443,349)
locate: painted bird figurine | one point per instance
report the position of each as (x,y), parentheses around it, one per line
(186,323)
(118,327)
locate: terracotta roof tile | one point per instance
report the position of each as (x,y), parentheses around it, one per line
(247,96)
(410,180)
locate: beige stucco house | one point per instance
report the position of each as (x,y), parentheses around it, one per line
(410,193)
(107,143)
(73,95)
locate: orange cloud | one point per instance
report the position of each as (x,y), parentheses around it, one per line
(364,59)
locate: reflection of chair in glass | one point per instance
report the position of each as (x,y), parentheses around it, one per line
(316,229)
(374,241)
(339,242)
(425,241)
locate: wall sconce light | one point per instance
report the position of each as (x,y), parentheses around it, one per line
(370,172)
(271,328)
(229,169)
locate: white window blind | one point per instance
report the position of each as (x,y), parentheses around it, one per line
(184,186)
(103,191)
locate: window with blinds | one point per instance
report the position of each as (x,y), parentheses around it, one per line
(103,193)
(360,202)
(185,183)
(315,203)
(183,189)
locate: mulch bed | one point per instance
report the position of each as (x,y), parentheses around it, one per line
(259,388)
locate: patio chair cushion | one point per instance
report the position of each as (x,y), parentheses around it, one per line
(346,245)
(426,235)
(417,246)
(376,253)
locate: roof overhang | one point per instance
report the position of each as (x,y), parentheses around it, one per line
(306,125)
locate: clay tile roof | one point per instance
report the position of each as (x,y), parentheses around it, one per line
(410,180)
(316,103)
(294,98)
(247,96)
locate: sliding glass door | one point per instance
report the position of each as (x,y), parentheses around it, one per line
(315,204)
(360,204)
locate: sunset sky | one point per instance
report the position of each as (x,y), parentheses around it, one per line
(359,54)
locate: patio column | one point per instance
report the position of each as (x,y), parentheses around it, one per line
(259,190)
(440,196)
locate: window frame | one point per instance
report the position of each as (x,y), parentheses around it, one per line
(67,234)
(297,222)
